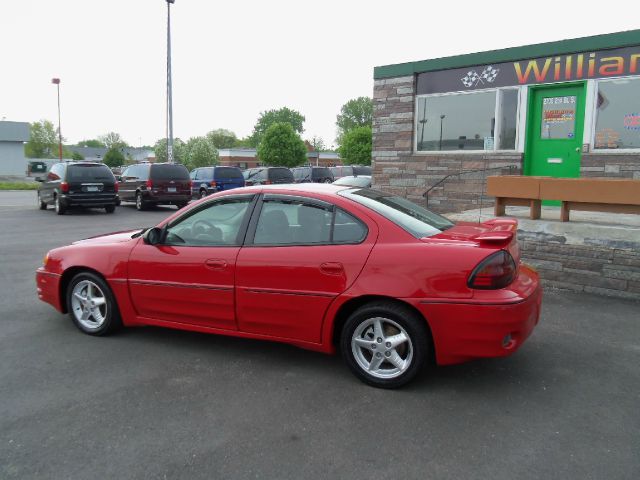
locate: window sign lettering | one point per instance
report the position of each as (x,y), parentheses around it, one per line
(617,123)
(558,117)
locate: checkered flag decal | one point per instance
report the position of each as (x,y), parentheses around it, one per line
(470,79)
(473,79)
(490,73)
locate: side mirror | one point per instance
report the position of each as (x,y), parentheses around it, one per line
(153,236)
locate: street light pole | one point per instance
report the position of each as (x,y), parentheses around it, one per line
(440,143)
(169,87)
(56,81)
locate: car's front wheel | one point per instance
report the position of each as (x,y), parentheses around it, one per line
(203,193)
(110,208)
(385,344)
(91,304)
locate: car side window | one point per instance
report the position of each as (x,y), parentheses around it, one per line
(284,222)
(193,175)
(218,223)
(348,229)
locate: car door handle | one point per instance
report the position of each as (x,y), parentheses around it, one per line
(215,264)
(332,268)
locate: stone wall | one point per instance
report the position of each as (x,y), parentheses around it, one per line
(615,165)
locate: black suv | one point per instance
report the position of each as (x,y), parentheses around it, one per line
(78,184)
(267,176)
(312,174)
(149,184)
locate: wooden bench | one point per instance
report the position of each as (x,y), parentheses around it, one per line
(515,190)
(614,195)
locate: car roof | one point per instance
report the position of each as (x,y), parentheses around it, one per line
(292,188)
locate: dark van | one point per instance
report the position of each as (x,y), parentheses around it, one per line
(312,174)
(78,184)
(149,184)
(267,176)
(208,180)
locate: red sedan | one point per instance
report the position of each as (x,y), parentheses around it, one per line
(323,267)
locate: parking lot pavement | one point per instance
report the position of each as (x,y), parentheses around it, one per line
(154,403)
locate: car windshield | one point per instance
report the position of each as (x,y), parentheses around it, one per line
(169,172)
(416,220)
(87,173)
(363,181)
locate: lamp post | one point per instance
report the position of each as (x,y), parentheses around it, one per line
(440,143)
(169,87)
(56,81)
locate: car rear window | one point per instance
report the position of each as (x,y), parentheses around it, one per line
(228,172)
(87,173)
(280,174)
(169,172)
(416,220)
(322,173)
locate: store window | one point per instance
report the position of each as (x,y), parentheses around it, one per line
(467,121)
(618,114)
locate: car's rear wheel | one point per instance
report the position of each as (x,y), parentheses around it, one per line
(41,204)
(385,344)
(140,204)
(203,193)
(110,208)
(91,305)
(60,208)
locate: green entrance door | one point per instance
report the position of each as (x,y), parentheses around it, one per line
(554,134)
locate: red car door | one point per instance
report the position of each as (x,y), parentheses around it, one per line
(189,277)
(300,254)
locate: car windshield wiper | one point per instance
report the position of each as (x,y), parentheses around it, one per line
(141,232)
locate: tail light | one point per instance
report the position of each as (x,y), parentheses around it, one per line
(116,187)
(64,187)
(214,184)
(149,184)
(496,271)
(192,183)
(267,182)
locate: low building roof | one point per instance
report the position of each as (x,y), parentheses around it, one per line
(14,131)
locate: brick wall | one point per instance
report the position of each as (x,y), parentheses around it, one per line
(616,165)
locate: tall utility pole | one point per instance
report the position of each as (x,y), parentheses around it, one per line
(169,87)
(56,81)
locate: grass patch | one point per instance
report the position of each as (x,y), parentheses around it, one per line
(19,185)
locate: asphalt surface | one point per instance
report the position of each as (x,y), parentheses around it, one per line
(155,403)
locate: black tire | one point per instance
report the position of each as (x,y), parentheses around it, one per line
(60,207)
(42,205)
(111,321)
(203,193)
(140,203)
(110,208)
(394,319)
(181,205)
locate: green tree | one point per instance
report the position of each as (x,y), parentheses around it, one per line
(95,143)
(222,138)
(317,143)
(356,146)
(200,152)
(179,150)
(113,140)
(270,117)
(76,155)
(357,112)
(113,158)
(281,146)
(43,141)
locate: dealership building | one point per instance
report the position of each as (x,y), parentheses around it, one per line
(569,108)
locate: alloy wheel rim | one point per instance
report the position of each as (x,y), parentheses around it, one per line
(89,304)
(382,348)
(203,194)
(138,202)
(57,204)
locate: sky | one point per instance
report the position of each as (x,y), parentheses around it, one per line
(235,59)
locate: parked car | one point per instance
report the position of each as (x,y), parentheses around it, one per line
(149,184)
(267,176)
(78,184)
(388,283)
(208,180)
(312,175)
(350,170)
(362,181)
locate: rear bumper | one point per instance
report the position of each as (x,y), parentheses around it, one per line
(481,328)
(48,287)
(166,198)
(102,200)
